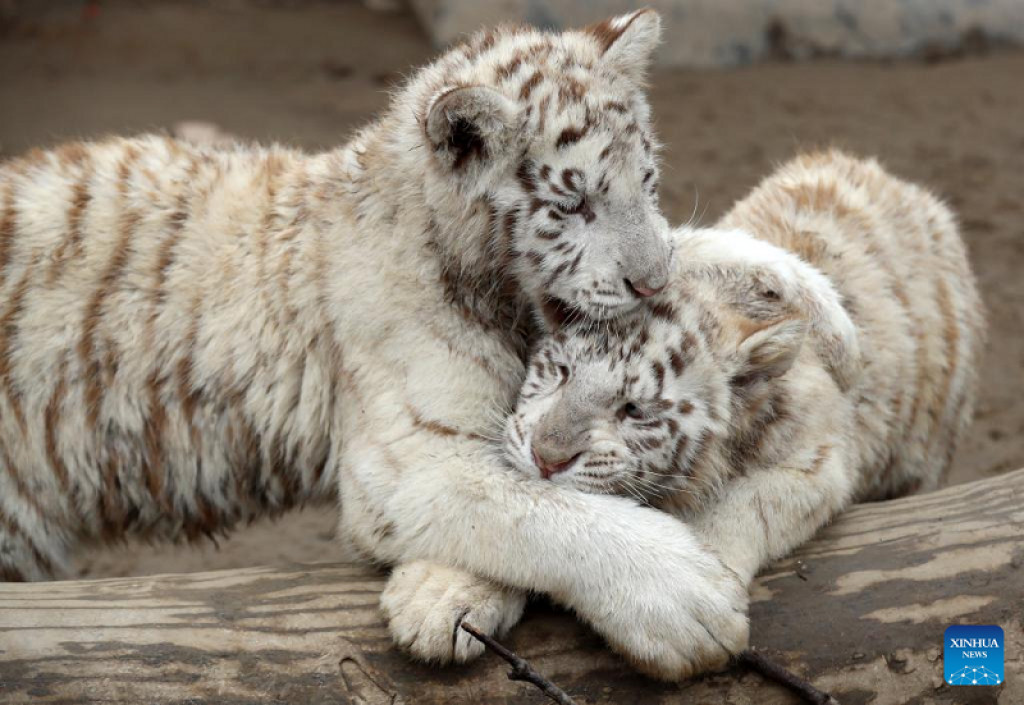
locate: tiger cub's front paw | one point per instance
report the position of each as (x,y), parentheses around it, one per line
(690,617)
(425,604)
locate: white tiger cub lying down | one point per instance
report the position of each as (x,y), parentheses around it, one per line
(731,404)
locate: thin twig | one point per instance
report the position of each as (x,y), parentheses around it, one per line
(756,662)
(521,668)
(523,671)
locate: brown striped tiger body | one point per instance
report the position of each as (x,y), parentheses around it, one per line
(168,354)
(721,404)
(194,336)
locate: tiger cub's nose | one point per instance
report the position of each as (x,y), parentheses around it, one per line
(644,289)
(552,466)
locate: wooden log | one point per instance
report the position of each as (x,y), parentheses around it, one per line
(860,612)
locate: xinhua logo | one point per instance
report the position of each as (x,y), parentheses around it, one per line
(973,655)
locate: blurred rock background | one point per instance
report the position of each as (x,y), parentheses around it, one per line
(736,32)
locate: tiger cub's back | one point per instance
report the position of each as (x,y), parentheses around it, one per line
(894,253)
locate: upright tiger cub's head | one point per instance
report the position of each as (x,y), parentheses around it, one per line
(650,403)
(545,140)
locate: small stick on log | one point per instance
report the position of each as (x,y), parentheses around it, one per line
(521,668)
(523,671)
(773,671)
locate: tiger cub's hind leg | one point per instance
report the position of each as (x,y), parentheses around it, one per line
(31,547)
(26,555)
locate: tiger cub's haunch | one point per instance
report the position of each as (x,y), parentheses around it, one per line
(194,336)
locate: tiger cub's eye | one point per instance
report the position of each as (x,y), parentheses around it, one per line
(630,410)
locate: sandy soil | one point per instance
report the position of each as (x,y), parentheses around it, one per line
(310,76)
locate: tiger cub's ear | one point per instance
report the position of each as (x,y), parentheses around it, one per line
(765,281)
(768,350)
(470,126)
(628,41)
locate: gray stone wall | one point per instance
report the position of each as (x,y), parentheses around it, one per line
(735,32)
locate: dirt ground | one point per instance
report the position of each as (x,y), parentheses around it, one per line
(310,73)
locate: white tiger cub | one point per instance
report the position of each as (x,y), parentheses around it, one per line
(720,405)
(194,336)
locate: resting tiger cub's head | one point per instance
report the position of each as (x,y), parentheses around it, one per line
(546,139)
(663,400)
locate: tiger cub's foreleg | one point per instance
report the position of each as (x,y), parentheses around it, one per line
(769,512)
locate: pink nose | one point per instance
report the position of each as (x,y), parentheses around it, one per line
(644,291)
(548,468)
